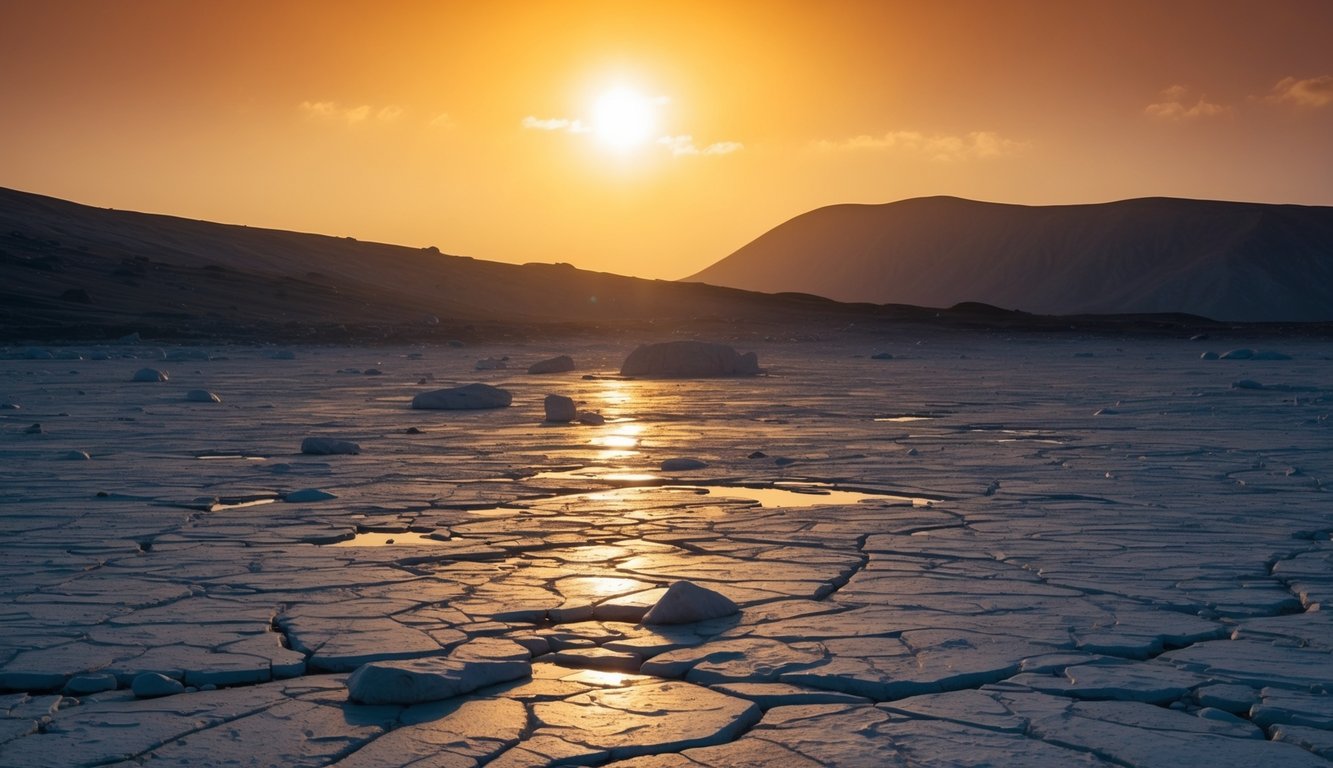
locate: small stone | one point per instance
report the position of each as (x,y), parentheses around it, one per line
(412,431)
(757,455)
(1238,354)
(560,364)
(10,406)
(492,364)
(686,602)
(307,495)
(465,398)
(683,464)
(35,429)
(1246,384)
(152,685)
(328,446)
(591,418)
(202,396)
(77,456)
(150,374)
(881,356)
(84,685)
(1209,356)
(560,409)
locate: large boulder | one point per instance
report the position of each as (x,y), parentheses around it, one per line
(685,603)
(688,360)
(560,409)
(559,364)
(413,681)
(469,397)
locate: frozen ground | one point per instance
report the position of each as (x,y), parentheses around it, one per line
(1065,552)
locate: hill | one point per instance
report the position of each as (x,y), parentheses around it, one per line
(70,270)
(1224,260)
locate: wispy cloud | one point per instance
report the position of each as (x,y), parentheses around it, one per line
(1173,104)
(1311,92)
(332,110)
(943,147)
(442,120)
(684,145)
(554,124)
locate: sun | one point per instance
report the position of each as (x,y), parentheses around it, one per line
(623,118)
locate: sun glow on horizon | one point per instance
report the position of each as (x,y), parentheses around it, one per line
(624,119)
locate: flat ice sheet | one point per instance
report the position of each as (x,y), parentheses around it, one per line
(1076,551)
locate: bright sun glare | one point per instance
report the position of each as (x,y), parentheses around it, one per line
(623,118)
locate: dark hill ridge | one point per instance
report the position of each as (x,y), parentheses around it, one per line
(1228,261)
(70,270)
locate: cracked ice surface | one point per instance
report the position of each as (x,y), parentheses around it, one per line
(1071,551)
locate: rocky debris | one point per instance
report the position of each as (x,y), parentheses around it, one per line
(153,685)
(202,396)
(413,681)
(560,409)
(683,464)
(465,398)
(150,374)
(686,602)
(688,360)
(329,446)
(559,364)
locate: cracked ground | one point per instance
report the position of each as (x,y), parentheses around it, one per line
(1040,550)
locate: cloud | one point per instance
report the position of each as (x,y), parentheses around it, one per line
(1173,104)
(1311,92)
(684,145)
(976,145)
(554,124)
(442,120)
(332,110)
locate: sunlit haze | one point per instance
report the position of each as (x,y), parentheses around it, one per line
(652,139)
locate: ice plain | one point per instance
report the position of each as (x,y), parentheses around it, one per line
(1044,550)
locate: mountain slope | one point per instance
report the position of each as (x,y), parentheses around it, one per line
(70,270)
(1227,261)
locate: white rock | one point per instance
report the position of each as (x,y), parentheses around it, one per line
(328,446)
(685,603)
(688,359)
(418,680)
(559,364)
(151,685)
(560,408)
(150,374)
(683,464)
(465,398)
(202,396)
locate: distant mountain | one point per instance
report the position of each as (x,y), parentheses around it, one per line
(1222,260)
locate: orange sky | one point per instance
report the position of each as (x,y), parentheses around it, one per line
(447,123)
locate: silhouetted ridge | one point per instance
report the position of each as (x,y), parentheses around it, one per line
(1225,260)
